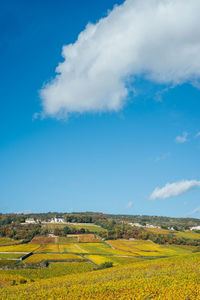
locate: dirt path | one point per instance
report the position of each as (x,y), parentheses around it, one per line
(81,248)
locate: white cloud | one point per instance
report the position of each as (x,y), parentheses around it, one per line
(156,39)
(182,138)
(193,212)
(198,134)
(162,157)
(35,116)
(174,189)
(129,205)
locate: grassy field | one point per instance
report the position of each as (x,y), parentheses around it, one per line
(188,234)
(69,239)
(19,248)
(7,262)
(166,279)
(10,255)
(73,248)
(101,248)
(91,227)
(36,258)
(116,260)
(48,248)
(7,241)
(43,240)
(148,248)
(159,230)
(54,270)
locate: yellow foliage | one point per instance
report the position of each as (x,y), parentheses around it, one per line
(164,279)
(36,258)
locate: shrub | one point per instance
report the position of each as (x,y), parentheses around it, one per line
(106,264)
(22,281)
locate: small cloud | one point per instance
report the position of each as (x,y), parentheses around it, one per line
(193,212)
(182,138)
(35,116)
(198,134)
(162,157)
(174,189)
(129,205)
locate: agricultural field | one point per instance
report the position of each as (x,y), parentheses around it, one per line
(159,230)
(87,226)
(88,238)
(48,248)
(188,234)
(148,248)
(160,279)
(7,241)
(37,258)
(71,248)
(90,227)
(140,268)
(19,248)
(116,260)
(43,240)
(54,270)
(7,262)
(68,239)
(10,255)
(101,248)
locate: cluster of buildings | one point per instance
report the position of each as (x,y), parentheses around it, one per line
(147,225)
(52,220)
(195,228)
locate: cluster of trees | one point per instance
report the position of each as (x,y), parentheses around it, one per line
(117,230)
(20,232)
(72,218)
(69,230)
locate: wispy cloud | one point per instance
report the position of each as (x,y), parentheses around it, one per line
(174,189)
(182,138)
(137,38)
(129,205)
(193,212)
(163,156)
(198,134)
(35,116)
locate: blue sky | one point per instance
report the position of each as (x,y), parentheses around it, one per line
(102,159)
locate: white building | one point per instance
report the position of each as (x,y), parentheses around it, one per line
(57,220)
(30,221)
(152,226)
(195,228)
(136,224)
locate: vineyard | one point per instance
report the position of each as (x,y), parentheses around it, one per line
(141,269)
(159,279)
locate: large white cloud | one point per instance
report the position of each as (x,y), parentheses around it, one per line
(157,39)
(174,189)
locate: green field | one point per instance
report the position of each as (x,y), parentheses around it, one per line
(87,226)
(116,260)
(37,258)
(7,241)
(10,255)
(188,234)
(54,270)
(7,262)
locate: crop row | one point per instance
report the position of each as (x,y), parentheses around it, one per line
(162,279)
